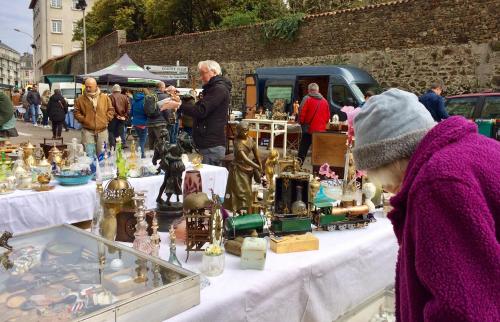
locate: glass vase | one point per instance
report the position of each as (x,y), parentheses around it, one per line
(212,265)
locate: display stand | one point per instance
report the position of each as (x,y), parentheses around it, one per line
(276,127)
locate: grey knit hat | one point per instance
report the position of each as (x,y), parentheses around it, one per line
(389,127)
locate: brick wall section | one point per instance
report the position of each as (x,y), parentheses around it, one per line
(101,54)
(403,43)
(396,25)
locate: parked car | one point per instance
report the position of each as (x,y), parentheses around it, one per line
(482,108)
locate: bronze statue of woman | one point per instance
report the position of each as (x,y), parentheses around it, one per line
(239,185)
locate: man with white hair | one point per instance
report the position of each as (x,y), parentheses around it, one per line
(121,104)
(209,113)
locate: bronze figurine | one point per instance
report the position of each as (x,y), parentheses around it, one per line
(4,240)
(243,169)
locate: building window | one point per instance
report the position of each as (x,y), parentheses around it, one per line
(57,50)
(57,26)
(56,3)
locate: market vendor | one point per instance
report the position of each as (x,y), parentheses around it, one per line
(446,214)
(209,113)
(94,111)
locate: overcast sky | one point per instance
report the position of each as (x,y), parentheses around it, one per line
(15,14)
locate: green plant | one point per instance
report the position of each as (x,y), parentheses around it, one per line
(63,66)
(284,28)
(240,18)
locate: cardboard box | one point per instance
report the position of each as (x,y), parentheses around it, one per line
(294,243)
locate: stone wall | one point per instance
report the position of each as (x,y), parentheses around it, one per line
(101,54)
(406,43)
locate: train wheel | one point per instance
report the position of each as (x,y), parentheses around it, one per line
(342,227)
(331,227)
(350,226)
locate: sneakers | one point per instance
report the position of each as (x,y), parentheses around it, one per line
(35,125)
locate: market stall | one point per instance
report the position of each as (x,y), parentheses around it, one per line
(321,285)
(25,210)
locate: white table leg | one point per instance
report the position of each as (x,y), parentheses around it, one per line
(257,130)
(271,143)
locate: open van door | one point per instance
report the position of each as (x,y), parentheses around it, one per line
(251,95)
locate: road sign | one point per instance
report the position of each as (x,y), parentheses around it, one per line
(174,76)
(166,69)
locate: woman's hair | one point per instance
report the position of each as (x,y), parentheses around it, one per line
(46,92)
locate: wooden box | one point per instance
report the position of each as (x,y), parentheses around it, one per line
(294,243)
(329,147)
(286,192)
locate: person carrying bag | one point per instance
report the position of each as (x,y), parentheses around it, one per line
(56,110)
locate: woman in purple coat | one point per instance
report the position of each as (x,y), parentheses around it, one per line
(446,178)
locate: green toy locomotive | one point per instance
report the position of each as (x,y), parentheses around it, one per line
(328,217)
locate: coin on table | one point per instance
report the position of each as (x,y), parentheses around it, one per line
(15,301)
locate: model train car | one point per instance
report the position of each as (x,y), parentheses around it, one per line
(243,225)
(285,225)
(328,217)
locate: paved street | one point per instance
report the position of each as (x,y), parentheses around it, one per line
(36,134)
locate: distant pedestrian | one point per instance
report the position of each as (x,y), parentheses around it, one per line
(34,101)
(45,101)
(434,102)
(94,111)
(18,103)
(56,111)
(7,117)
(26,105)
(156,121)
(121,104)
(313,117)
(139,119)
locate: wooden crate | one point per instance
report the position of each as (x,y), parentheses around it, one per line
(329,147)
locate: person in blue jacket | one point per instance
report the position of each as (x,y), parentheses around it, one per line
(139,119)
(434,102)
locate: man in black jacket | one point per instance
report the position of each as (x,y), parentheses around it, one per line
(34,101)
(209,113)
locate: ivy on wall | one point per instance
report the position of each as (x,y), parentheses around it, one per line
(284,28)
(63,66)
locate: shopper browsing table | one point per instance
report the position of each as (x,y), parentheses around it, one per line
(57,108)
(209,113)
(446,213)
(94,111)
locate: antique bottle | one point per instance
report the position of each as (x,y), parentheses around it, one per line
(299,208)
(172,259)
(95,227)
(121,163)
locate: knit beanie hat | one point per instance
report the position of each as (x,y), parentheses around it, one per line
(116,88)
(388,128)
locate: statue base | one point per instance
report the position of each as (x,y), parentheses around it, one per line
(168,215)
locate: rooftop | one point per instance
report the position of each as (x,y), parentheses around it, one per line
(3,45)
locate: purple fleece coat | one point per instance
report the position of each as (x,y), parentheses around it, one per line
(446,218)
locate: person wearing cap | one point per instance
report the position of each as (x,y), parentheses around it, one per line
(434,102)
(94,111)
(446,211)
(121,104)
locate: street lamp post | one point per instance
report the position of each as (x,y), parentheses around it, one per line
(81,5)
(32,46)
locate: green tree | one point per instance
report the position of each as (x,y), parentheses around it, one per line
(244,12)
(106,16)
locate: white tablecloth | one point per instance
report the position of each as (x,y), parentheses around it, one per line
(349,267)
(23,211)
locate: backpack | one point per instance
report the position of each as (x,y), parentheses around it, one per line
(150,107)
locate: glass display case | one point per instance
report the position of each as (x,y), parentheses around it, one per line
(63,273)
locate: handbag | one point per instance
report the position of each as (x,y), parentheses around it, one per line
(305,127)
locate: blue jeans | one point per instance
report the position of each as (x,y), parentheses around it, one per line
(213,156)
(142,134)
(34,113)
(174,131)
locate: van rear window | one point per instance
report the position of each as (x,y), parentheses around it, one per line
(462,106)
(279,92)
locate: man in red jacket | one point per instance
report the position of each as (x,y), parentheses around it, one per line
(313,117)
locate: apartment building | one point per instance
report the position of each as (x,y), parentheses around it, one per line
(26,76)
(9,65)
(53,24)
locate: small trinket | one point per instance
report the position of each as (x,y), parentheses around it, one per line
(4,240)
(116,264)
(172,259)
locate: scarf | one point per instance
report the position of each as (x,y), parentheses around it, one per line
(93,97)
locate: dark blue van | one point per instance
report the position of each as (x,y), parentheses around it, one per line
(341,85)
